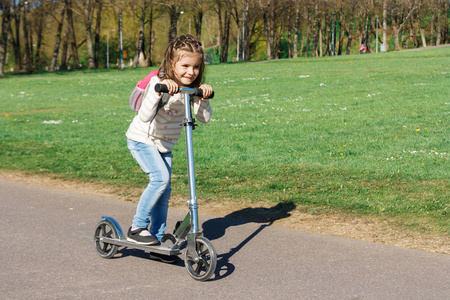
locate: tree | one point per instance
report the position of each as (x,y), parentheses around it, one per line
(27,36)
(88,16)
(327,31)
(296,28)
(151,37)
(38,19)
(15,36)
(342,22)
(197,8)
(60,22)
(99,4)
(445,29)
(5,6)
(412,30)
(350,24)
(309,22)
(311,25)
(223,10)
(173,9)
(400,12)
(385,16)
(72,36)
(139,9)
(249,11)
(366,22)
(315,28)
(439,22)
(274,15)
(420,16)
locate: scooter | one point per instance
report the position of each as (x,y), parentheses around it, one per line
(200,257)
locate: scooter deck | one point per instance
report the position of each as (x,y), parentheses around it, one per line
(162,249)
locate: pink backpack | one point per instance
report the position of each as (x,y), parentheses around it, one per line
(138,92)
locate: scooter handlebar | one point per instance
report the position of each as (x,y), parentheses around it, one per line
(162,88)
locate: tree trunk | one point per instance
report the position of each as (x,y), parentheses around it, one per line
(226,35)
(97,33)
(249,28)
(439,23)
(367,31)
(151,37)
(88,15)
(315,28)
(350,37)
(72,38)
(219,16)
(39,35)
(422,32)
(396,30)
(250,19)
(327,34)
(433,16)
(290,36)
(350,30)
(267,32)
(320,38)
(141,35)
(296,29)
(385,16)
(277,33)
(308,32)
(28,56)
(412,32)
(64,55)
(224,27)
(198,20)
(341,31)
(302,43)
(15,40)
(174,15)
(373,28)
(58,38)
(445,37)
(6,19)
(334,29)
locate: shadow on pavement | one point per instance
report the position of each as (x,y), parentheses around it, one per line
(216,228)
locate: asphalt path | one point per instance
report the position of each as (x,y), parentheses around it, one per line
(47,252)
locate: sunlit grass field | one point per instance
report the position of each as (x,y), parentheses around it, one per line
(358,135)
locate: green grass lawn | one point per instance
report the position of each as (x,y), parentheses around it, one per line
(363,134)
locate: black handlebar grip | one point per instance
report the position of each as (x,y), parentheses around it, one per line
(198,92)
(161,88)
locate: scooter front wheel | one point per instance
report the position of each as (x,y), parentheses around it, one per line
(105,229)
(202,264)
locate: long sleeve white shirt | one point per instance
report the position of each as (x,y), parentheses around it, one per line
(164,131)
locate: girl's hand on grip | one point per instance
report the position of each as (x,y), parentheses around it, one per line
(207,91)
(171,86)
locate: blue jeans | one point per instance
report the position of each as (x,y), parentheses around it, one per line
(154,201)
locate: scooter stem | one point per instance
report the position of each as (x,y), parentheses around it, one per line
(189,126)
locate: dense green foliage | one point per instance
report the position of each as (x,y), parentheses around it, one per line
(365,134)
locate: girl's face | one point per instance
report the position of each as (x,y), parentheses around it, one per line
(187,68)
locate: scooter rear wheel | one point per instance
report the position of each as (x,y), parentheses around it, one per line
(105,229)
(202,268)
